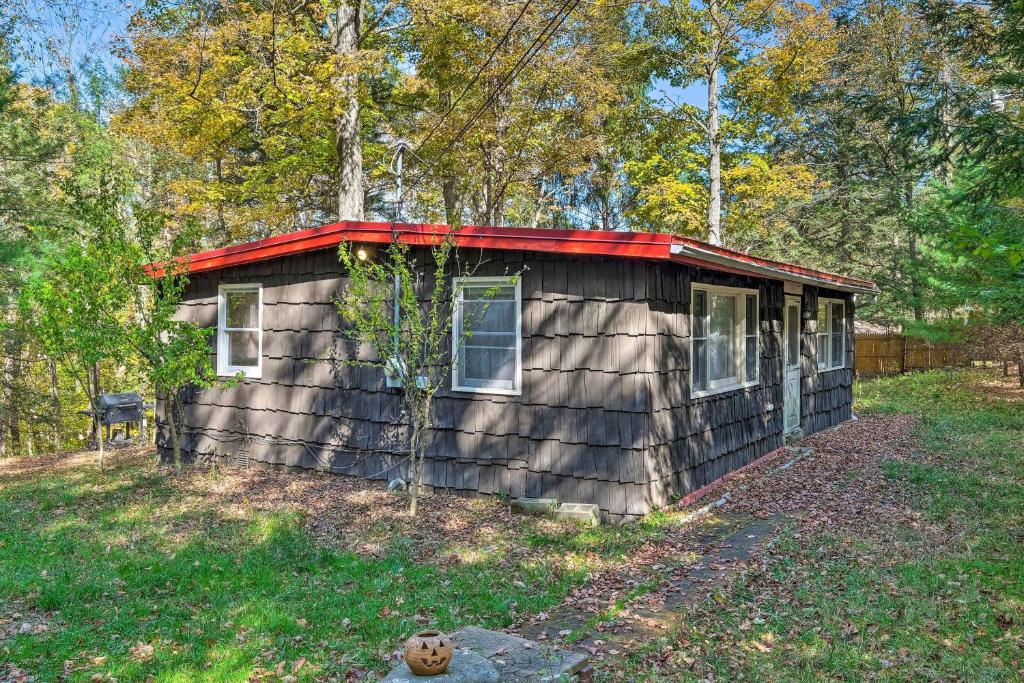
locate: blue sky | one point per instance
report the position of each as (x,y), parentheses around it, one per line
(89,29)
(83,30)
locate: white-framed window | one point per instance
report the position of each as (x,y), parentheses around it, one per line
(831,334)
(487,340)
(724,339)
(240,330)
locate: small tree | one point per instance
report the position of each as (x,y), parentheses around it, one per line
(75,306)
(401,307)
(174,353)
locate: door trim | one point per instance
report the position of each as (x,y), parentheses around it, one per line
(795,301)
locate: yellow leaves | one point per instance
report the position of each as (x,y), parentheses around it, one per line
(670,205)
(804,40)
(759,191)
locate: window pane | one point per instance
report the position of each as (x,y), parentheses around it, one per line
(751,314)
(700,364)
(700,312)
(482,367)
(488,337)
(243,349)
(837,350)
(489,293)
(751,359)
(837,319)
(822,335)
(793,336)
(243,309)
(488,316)
(490,340)
(722,337)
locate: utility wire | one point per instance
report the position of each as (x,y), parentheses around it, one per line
(539,42)
(477,75)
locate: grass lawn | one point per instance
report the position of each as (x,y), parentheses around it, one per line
(930,588)
(909,566)
(141,574)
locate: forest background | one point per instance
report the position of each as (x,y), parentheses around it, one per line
(878,138)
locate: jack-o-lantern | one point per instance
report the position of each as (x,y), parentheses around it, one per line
(428,653)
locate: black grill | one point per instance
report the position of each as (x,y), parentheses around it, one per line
(118,408)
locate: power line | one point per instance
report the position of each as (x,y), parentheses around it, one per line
(539,42)
(478,74)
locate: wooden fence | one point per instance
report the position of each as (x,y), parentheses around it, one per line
(890,354)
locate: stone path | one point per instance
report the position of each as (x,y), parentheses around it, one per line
(726,544)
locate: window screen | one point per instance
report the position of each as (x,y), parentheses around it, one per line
(487,335)
(239,330)
(724,338)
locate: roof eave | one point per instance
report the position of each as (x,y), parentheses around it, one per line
(737,264)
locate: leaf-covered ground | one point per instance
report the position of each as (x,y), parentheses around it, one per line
(906,561)
(140,573)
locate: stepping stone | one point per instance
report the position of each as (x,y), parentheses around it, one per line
(584,513)
(466,667)
(519,659)
(543,507)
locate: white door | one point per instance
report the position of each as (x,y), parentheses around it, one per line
(791,363)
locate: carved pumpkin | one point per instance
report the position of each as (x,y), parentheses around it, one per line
(428,653)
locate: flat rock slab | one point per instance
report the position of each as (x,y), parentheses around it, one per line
(579,512)
(544,507)
(519,659)
(466,667)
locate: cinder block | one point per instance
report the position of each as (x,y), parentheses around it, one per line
(585,513)
(535,506)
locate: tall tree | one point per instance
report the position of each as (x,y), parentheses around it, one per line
(753,57)
(876,133)
(264,104)
(346,33)
(511,103)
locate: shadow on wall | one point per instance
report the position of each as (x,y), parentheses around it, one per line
(604,416)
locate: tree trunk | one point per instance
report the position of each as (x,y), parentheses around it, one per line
(714,134)
(172,427)
(96,408)
(945,120)
(58,420)
(1020,370)
(449,185)
(915,276)
(417,470)
(14,370)
(450,193)
(347,141)
(6,380)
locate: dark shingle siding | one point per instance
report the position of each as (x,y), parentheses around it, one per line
(697,440)
(605,414)
(826,397)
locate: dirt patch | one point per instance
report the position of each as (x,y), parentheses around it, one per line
(994,385)
(16,621)
(347,513)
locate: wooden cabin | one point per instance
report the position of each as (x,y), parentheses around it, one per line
(624,369)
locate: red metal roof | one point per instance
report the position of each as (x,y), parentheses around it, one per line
(645,245)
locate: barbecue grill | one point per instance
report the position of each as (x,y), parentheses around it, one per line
(124,408)
(119,408)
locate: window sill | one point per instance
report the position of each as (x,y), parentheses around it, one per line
(247,373)
(484,390)
(722,390)
(824,370)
